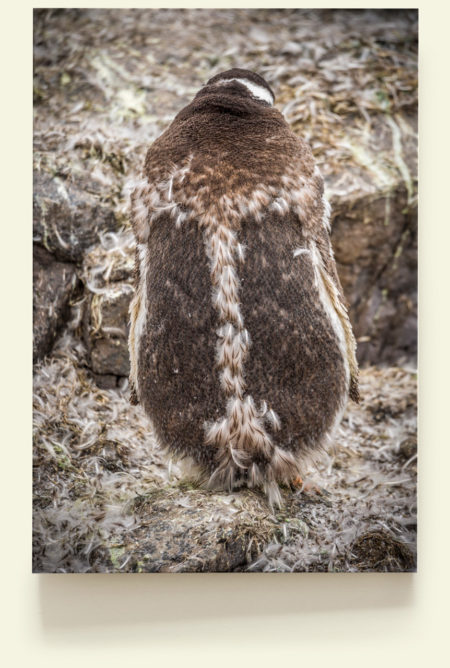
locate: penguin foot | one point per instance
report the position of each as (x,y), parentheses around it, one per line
(305,487)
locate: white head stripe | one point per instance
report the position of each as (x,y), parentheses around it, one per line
(257,91)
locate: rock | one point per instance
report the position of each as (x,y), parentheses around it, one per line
(53,286)
(107,274)
(193,531)
(106,333)
(408,447)
(109,355)
(105,381)
(67,218)
(374,235)
(376,262)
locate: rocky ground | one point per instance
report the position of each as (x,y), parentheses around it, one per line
(107,83)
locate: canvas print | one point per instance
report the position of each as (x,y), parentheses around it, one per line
(224,290)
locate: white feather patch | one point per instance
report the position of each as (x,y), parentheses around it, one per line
(240,434)
(331,305)
(138,315)
(257,91)
(300,251)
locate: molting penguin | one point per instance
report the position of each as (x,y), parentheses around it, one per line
(241,348)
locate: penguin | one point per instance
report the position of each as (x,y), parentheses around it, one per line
(241,349)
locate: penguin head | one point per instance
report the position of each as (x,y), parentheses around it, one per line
(244,83)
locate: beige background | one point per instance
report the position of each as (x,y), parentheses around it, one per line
(237,619)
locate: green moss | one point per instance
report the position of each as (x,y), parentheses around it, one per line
(297,525)
(187,485)
(116,554)
(38,95)
(65,464)
(65,79)
(383,100)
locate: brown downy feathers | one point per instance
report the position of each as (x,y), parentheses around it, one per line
(241,348)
